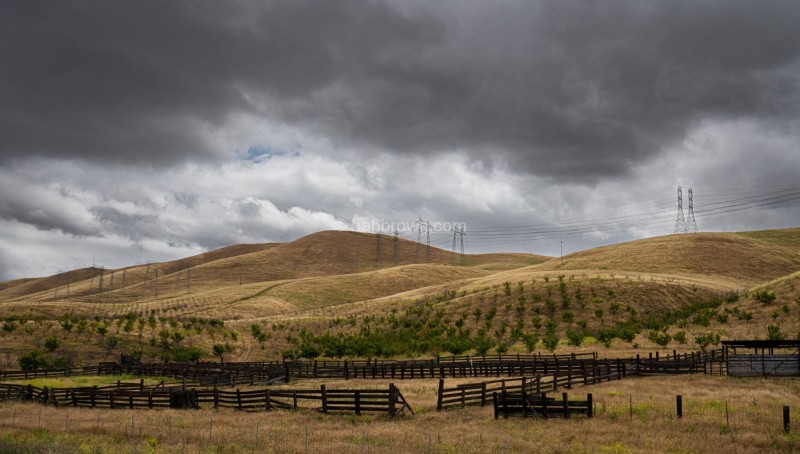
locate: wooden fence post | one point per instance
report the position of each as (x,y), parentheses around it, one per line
(483,394)
(267,404)
(441,395)
(786,422)
(679,405)
(505,403)
(494,400)
(324,398)
(590,406)
(358,401)
(565,405)
(392,399)
(544,405)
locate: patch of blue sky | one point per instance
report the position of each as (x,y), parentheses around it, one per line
(261,153)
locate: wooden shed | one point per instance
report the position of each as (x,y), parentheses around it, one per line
(762,358)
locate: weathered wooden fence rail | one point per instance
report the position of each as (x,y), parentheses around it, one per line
(389,401)
(234,373)
(539,404)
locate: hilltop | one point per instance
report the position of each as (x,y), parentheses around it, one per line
(745,258)
(327,253)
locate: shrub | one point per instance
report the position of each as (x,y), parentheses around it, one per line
(483,344)
(574,338)
(764,296)
(186,354)
(774,333)
(33,360)
(703,340)
(501,347)
(660,338)
(221,349)
(530,339)
(62,362)
(51,343)
(732,297)
(550,341)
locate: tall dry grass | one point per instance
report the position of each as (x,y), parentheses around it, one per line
(648,425)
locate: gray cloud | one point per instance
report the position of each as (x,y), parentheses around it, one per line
(151,130)
(564,89)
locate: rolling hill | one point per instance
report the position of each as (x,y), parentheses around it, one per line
(680,285)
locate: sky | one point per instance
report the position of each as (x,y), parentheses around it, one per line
(134,132)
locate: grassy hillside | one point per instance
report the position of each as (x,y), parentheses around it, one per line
(329,293)
(746,258)
(327,253)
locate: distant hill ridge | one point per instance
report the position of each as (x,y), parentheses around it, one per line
(749,258)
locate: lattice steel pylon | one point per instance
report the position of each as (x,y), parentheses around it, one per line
(395,243)
(427,224)
(457,232)
(691,224)
(680,221)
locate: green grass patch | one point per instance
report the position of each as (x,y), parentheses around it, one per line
(89,380)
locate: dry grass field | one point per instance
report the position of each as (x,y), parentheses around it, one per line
(329,294)
(634,415)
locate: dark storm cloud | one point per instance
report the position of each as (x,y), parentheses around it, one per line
(146,82)
(573,90)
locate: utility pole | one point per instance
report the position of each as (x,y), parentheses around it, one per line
(562,251)
(156,282)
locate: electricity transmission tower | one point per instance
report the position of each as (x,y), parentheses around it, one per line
(420,224)
(378,249)
(691,223)
(680,221)
(396,241)
(460,234)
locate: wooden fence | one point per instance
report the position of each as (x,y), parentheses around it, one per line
(539,404)
(233,373)
(133,395)
(470,394)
